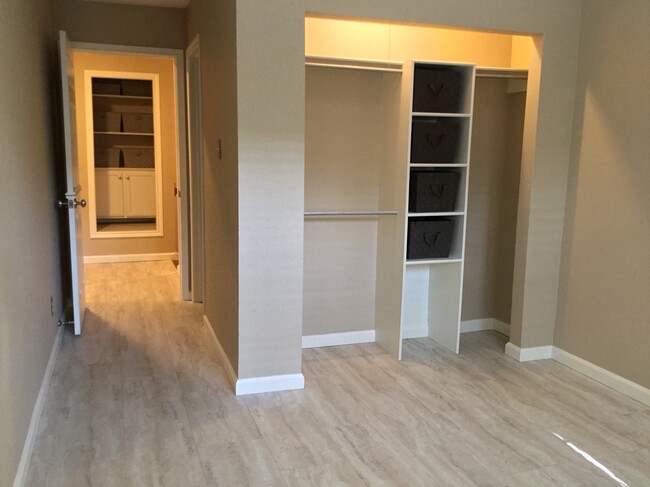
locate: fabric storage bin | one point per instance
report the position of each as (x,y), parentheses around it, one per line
(434,140)
(107,121)
(138,157)
(103,86)
(433,191)
(437,89)
(141,123)
(136,87)
(107,157)
(430,238)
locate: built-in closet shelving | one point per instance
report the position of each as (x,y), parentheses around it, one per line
(123,136)
(436,196)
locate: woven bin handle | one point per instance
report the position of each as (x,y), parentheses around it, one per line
(435,141)
(427,238)
(436,89)
(434,189)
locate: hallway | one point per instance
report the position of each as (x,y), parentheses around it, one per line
(141,399)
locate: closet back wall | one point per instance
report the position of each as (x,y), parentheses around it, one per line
(497,136)
(343,138)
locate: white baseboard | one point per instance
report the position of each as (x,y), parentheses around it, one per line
(528,354)
(23,466)
(230,371)
(334,339)
(273,383)
(109,259)
(254,385)
(593,371)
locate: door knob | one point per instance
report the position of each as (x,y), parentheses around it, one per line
(71,204)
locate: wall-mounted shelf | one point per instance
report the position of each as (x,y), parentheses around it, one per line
(432,261)
(122,97)
(505,73)
(139,134)
(438,114)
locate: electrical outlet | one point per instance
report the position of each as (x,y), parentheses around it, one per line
(52,305)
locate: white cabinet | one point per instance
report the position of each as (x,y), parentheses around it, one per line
(125,193)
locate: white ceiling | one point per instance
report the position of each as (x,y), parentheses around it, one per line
(149,3)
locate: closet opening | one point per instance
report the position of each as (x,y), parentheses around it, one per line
(413,149)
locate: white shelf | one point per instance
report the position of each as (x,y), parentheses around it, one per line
(437,164)
(448,260)
(141,134)
(442,213)
(123,97)
(441,115)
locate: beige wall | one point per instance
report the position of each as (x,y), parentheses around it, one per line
(215,22)
(93,61)
(271,126)
(605,312)
(29,238)
(492,200)
(104,23)
(271,111)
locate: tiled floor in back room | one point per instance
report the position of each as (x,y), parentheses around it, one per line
(141,399)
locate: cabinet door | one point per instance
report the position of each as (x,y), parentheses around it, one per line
(140,190)
(109,193)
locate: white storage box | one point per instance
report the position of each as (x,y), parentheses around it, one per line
(138,157)
(139,123)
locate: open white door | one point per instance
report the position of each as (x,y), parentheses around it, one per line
(72,182)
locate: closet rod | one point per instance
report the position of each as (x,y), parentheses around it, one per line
(501,76)
(356,68)
(349,213)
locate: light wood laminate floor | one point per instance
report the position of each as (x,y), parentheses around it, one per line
(141,399)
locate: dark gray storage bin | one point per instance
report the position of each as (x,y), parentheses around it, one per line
(140,123)
(106,86)
(434,140)
(437,89)
(433,191)
(138,157)
(107,157)
(136,87)
(429,238)
(107,121)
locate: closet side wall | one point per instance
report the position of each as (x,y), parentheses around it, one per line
(165,68)
(128,25)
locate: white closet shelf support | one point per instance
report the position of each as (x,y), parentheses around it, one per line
(349,213)
(354,63)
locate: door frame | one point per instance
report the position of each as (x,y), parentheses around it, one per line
(182,204)
(195,157)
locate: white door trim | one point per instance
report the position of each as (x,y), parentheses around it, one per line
(195,156)
(177,57)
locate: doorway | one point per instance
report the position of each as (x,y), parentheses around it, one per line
(130,107)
